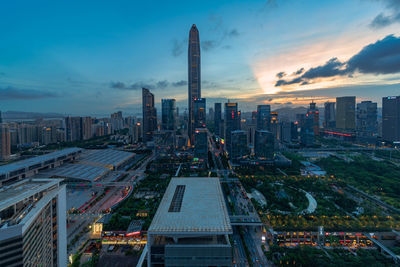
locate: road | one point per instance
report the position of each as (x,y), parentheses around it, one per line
(253,243)
(238,249)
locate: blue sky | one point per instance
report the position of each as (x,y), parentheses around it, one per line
(92,57)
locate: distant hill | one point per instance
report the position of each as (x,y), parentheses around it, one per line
(21,115)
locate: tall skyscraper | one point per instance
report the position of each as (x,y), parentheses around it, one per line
(168,114)
(232,122)
(217,118)
(367,114)
(391,118)
(149,115)
(194,79)
(264,117)
(33,223)
(330,115)
(313,114)
(346,113)
(200,113)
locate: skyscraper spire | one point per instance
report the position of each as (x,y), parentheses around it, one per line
(194,77)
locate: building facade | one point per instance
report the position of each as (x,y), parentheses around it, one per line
(200,113)
(367,119)
(232,122)
(217,118)
(201,144)
(168,114)
(264,144)
(240,148)
(391,118)
(33,224)
(264,117)
(149,115)
(329,115)
(5,142)
(346,113)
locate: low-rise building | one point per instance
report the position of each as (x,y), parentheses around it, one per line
(191,226)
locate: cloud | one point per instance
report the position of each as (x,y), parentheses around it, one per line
(300,71)
(382,19)
(179,83)
(381,57)
(178,47)
(233,33)
(118,85)
(209,44)
(280,74)
(11,93)
(220,32)
(162,84)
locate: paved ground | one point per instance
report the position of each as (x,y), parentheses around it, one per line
(77,197)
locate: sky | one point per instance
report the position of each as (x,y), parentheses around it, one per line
(93,57)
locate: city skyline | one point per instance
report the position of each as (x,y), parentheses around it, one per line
(98,66)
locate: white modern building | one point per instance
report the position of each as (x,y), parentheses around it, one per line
(191,226)
(33,223)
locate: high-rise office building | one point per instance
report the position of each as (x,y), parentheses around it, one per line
(5,142)
(264,144)
(391,118)
(313,114)
(367,119)
(201,144)
(346,113)
(240,148)
(149,115)
(33,223)
(194,76)
(168,114)
(200,113)
(264,117)
(217,118)
(329,115)
(232,122)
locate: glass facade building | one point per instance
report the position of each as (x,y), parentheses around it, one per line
(194,77)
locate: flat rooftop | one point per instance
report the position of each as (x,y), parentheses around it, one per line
(104,157)
(36,160)
(19,191)
(77,171)
(193,205)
